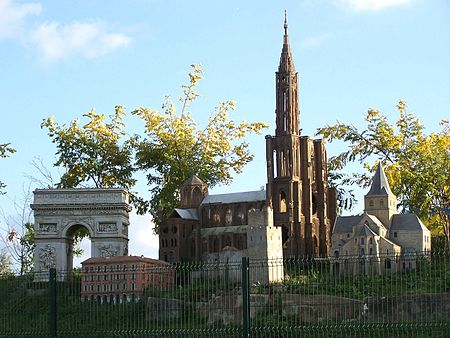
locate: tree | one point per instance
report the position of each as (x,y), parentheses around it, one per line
(416,164)
(175,148)
(5,264)
(5,151)
(18,235)
(92,155)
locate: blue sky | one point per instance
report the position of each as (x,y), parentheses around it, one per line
(63,58)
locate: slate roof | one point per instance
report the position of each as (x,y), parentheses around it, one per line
(376,220)
(232,229)
(194,180)
(380,184)
(237,197)
(406,222)
(185,213)
(366,231)
(344,224)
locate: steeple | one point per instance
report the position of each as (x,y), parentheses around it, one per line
(380,184)
(286,90)
(380,201)
(286,60)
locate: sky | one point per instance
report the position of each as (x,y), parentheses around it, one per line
(63,58)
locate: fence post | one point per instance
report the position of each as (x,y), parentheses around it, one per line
(52,294)
(245,299)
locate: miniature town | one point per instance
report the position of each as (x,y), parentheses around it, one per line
(294,216)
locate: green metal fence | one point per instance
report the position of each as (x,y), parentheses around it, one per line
(335,297)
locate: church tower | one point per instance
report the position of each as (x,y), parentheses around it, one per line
(297,186)
(380,201)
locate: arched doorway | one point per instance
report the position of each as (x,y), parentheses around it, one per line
(73,232)
(60,213)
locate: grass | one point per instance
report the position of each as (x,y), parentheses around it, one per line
(24,305)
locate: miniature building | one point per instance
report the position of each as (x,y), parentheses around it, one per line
(385,240)
(297,197)
(59,213)
(123,278)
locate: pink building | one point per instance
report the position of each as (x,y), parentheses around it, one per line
(123,278)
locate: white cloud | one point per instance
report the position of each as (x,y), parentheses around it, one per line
(371,5)
(86,39)
(12,16)
(315,41)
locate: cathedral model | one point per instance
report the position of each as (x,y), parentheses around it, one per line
(389,241)
(292,217)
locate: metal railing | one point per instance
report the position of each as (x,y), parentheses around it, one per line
(374,296)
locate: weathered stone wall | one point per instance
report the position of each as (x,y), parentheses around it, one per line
(227,309)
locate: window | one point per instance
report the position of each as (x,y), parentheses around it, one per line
(371,203)
(336,253)
(370,240)
(395,234)
(362,240)
(381,203)
(283,206)
(387,263)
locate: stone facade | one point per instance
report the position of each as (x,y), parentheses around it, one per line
(298,206)
(297,186)
(384,240)
(59,213)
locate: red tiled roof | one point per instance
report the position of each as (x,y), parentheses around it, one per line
(123,259)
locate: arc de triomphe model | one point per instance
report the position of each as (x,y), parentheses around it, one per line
(59,213)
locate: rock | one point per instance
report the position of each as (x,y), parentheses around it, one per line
(163,308)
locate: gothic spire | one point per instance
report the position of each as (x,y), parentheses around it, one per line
(286,60)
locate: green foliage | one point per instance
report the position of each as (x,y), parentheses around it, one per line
(175,148)
(93,154)
(416,164)
(5,151)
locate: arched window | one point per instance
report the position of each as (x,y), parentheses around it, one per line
(196,196)
(228,217)
(283,206)
(314,204)
(216,217)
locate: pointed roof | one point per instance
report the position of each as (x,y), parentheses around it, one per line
(380,184)
(194,180)
(286,60)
